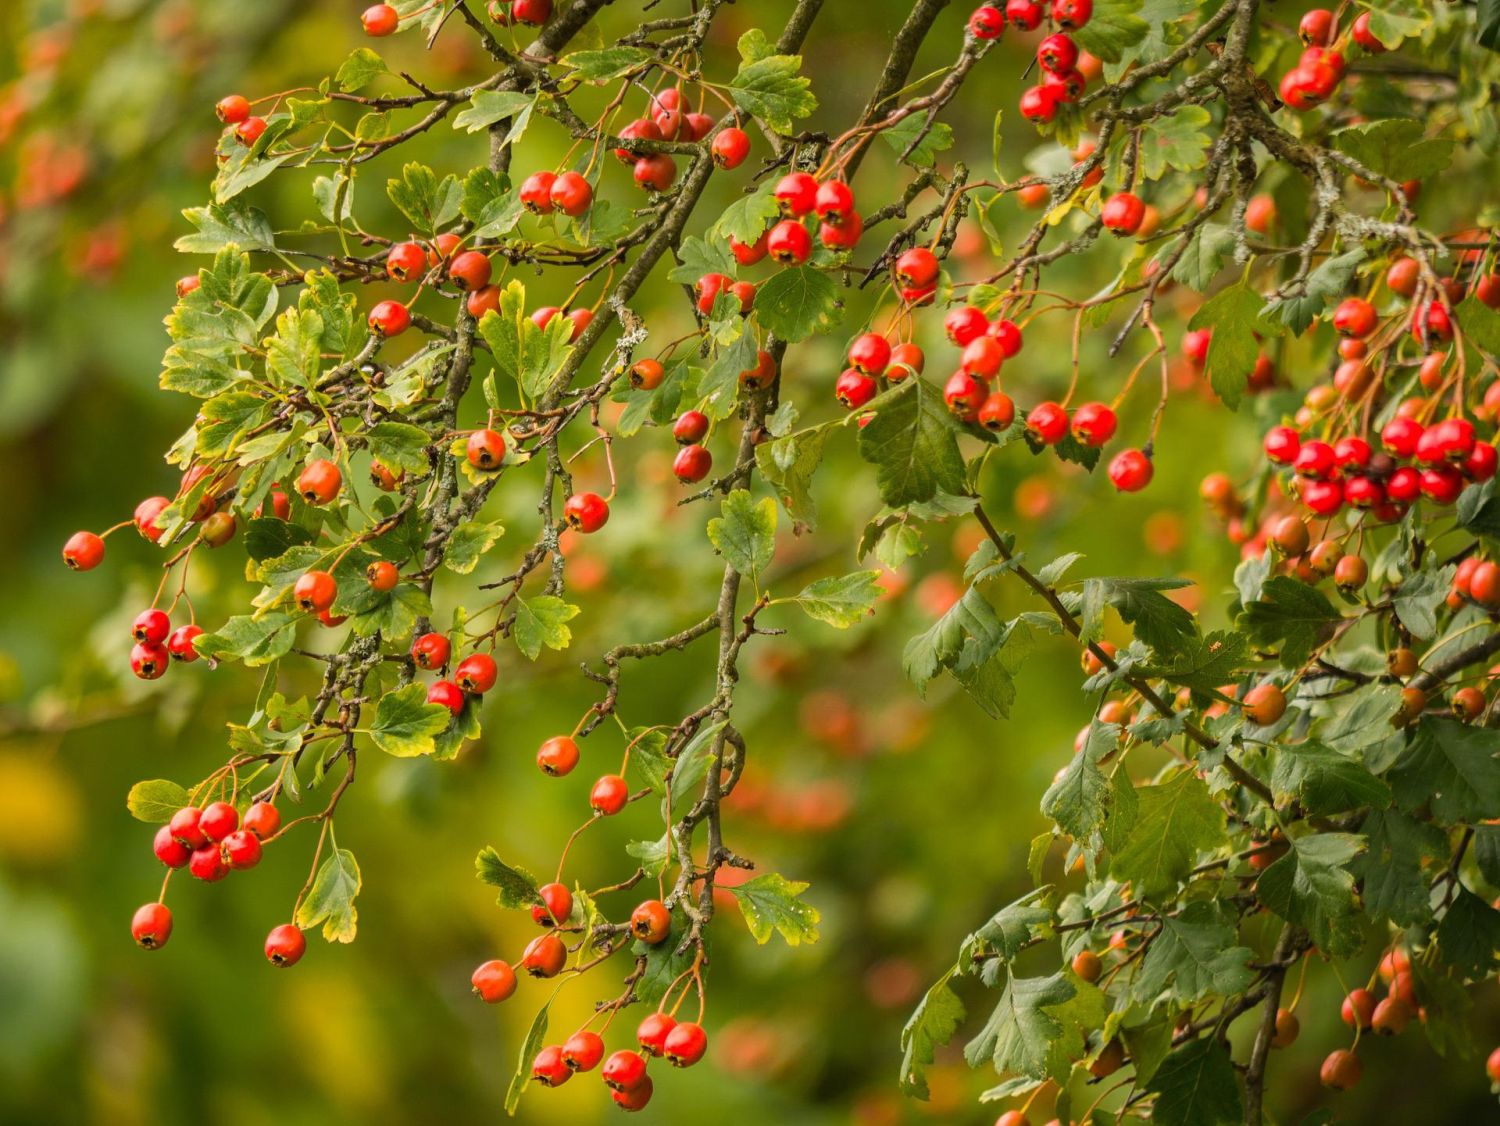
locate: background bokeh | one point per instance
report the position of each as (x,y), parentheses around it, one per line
(911,818)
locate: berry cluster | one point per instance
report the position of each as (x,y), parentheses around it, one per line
(1321,68)
(1066,69)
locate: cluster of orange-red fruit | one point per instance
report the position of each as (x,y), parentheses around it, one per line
(1065,71)
(1321,68)
(659,1034)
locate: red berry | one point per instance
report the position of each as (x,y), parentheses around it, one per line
(652,1032)
(1316,28)
(262,819)
(382,576)
(572,194)
(1323,497)
(448,694)
(963,394)
(151,926)
(285,945)
(842,236)
(997,412)
(906,359)
(380,20)
(1362,35)
(184,827)
(1008,335)
(692,463)
(1130,471)
(635,1098)
(1315,459)
(389,318)
(854,389)
(1354,317)
(1094,424)
(917,267)
(544,956)
(430,651)
(1352,452)
(730,147)
(1024,14)
(485,449)
(1122,213)
(583,1050)
(834,202)
(685,1045)
(494,981)
(656,171)
(789,243)
(749,255)
(1047,423)
(149,660)
(986,22)
(535,192)
(651,922)
(405,261)
(1480,464)
(965,323)
(624,1071)
(556,905)
(1401,435)
(982,357)
(470,270)
(232,109)
(151,625)
(609,795)
(690,427)
(797,193)
(549,1068)
(218,820)
(242,849)
(1341,1070)
(1039,103)
(207,864)
(532,12)
(476,673)
(1057,53)
(249,131)
(315,591)
(557,756)
(169,850)
(588,512)
(1072,14)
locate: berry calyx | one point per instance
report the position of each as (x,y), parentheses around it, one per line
(149,660)
(485,449)
(319,482)
(651,922)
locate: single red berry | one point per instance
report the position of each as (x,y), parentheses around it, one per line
(1195,346)
(1341,1070)
(494,981)
(853,389)
(834,202)
(749,254)
(1122,213)
(580,319)
(262,819)
(557,756)
(1282,445)
(730,147)
(1316,28)
(184,827)
(1315,459)
(1057,53)
(655,172)
(448,694)
(242,849)
(634,1099)
(1481,462)
(641,129)
(1024,14)
(963,394)
(1130,471)
(320,482)
(544,956)
(906,360)
(556,905)
(315,591)
(1401,435)
(430,651)
(151,925)
(685,1045)
(870,353)
(285,945)
(232,109)
(444,246)
(789,243)
(583,1050)
(532,12)
(389,318)
(169,850)
(1047,423)
(609,795)
(698,125)
(249,131)
(1362,35)
(1072,14)
(485,449)
(1094,424)
(796,193)
(759,377)
(149,660)
(218,820)
(986,22)
(382,576)
(187,284)
(207,864)
(965,323)
(571,194)
(652,1032)
(476,673)
(651,922)
(1039,104)
(646,375)
(470,270)
(690,427)
(982,357)
(1354,317)
(151,625)
(917,267)
(549,1068)
(405,261)
(997,412)
(624,1070)
(692,464)
(588,512)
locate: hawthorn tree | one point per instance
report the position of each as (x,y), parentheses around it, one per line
(1312,782)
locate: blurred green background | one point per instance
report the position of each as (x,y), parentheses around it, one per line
(911,819)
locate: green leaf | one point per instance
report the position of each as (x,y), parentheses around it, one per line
(1297,310)
(648,764)
(601,65)
(941,645)
(1292,614)
(1480,325)
(489,204)
(1203,663)
(405,722)
(770,87)
(468,544)
(1193,954)
(1038,1028)
(331,900)
(1114,27)
(393,613)
(529,355)
(1417,599)
(749,216)
(489,106)
(1478,510)
(1080,799)
(797,302)
(224,419)
(1312,887)
(1452,766)
(937,139)
(399,446)
(1393,884)
(841,601)
(248,638)
(529,1049)
(745,533)
(696,257)
(1207,252)
(1157,620)
(1396,148)
(1489,24)
(1175,822)
(772,903)
(665,966)
(1011,929)
(912,444)
(154,802)
(1176,141)
(931,1026)
(540,621)
(788,465)
(1393,20)
(1326,781)
(361,68)
(1234,315)
(428,202)
(1469,936)
(517,886)
(1196,1086)
(292,355)
(221,226)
